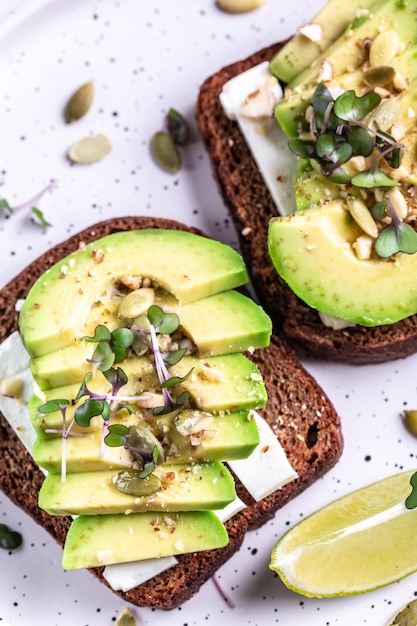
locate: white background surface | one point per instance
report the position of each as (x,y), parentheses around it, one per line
(145,57)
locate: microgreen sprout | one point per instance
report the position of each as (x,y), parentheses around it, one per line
(411,500)
(338,134)
(112,348)
(31,205)
(397,236)
(164,323)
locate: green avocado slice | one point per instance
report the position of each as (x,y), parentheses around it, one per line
(229,436)
(70,299)
(190,487)
(97,540)
(312,251)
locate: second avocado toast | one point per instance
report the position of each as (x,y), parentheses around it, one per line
(309,432)
(371,50)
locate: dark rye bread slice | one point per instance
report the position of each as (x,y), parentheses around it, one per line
(251,207)
(299,412)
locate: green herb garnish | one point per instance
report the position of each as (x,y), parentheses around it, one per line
(112,348)
(338,134)
(31,204)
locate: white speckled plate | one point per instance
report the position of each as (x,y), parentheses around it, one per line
(145,57)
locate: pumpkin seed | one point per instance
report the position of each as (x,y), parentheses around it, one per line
(136,303)
(411,420)
(406,617)
(89,149)
(239,6)
(165,152)
(128,481)
(126,618)
(143,440)
(177,127)
(362,216)
(384,48)
(79,103)
(380,75)
(190,422)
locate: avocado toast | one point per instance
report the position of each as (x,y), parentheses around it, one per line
(301,64)
(308,431)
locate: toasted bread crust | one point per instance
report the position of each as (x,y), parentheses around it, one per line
(302,416)
(251,207)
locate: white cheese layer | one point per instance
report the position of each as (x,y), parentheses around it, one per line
(265,139)
(271,470)
(268,468)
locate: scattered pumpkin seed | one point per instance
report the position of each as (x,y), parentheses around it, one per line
(165,152)
(406,617)
(129,481)
(411,420)
(89,149)
(239,6)
(362,216)
(177,127)
(379,76)
(136,303)
(126,618)
(79,103)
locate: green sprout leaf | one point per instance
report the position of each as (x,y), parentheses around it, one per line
(176,380)
(165,323)
(359,139)
(352,108)
(116,377)
(373,178)
(174,357)
(89,409)
(122,337)
(101,333)
(117,435)
(411,500)
(396,238)
(378,210)
(5,205)
(329,148)
(53,405)
(40,216)
(103,357)
(302,148)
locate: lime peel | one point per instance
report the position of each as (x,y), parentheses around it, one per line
(360,542)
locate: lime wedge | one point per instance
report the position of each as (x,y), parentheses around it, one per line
(360,542)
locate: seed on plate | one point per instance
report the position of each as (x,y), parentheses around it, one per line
(79,103)
(406,617)
(411,420)
(89,149)
(126,618)
(177,127)
(239,6)
(165,152)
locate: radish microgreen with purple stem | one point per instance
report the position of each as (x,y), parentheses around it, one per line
(31,205)
(112,348)
(337,134)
